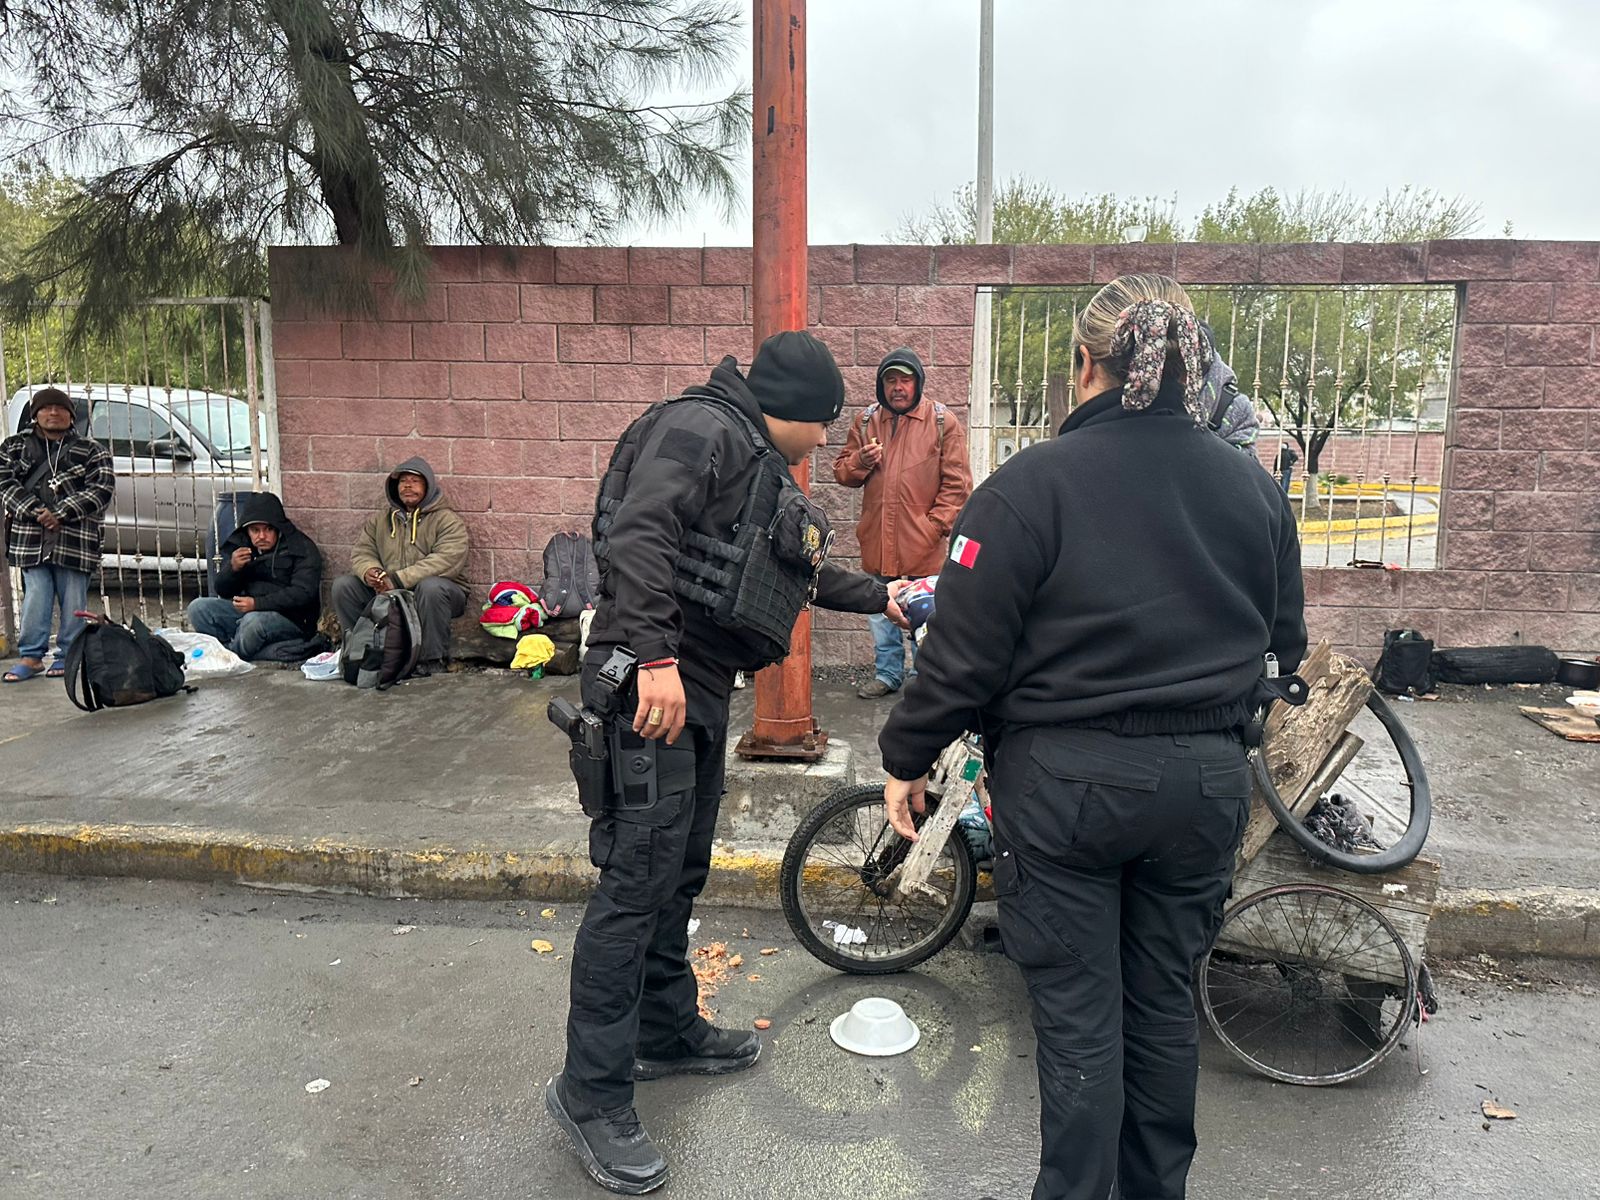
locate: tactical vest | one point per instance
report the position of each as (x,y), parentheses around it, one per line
(758,583)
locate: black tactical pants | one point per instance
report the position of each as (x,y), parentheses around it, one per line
(1114,856)
(632,985)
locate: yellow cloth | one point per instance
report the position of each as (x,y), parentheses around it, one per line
(533,650)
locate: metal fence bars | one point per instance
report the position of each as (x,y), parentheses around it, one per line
(182,396)
(1350,387)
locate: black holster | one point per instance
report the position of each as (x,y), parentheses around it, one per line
(592,731)
(589,756)
(646,770)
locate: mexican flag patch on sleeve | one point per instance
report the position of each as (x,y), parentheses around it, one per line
(964,551)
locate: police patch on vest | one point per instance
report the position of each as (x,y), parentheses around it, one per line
(811,542)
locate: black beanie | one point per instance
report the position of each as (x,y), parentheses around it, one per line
(794,378)
(47,397)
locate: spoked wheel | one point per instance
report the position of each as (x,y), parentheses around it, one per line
(1308,984)
(837,886)
(1385,780)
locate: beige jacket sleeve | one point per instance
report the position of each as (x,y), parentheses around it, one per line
(365,555)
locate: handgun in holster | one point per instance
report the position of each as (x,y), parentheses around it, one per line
(591,730)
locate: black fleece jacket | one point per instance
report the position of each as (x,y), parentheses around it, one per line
(287,579)
(1128,574)
(693,471)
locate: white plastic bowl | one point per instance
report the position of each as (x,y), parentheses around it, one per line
(875,1027)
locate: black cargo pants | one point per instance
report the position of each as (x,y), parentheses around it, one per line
(632,985)
(1114,857)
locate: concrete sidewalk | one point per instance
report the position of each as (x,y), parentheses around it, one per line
(456,787)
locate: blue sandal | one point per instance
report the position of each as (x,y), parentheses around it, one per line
(22,672)
(57,670)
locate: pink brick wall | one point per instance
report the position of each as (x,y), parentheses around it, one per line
(519,368)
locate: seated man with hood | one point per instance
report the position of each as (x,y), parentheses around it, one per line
(416,544)
(269,585)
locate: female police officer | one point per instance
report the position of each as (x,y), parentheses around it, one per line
(1128,577)
(694,589)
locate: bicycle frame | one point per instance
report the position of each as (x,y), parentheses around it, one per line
(960,764)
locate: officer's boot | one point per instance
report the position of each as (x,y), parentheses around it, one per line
(615,1149)
(718,1052)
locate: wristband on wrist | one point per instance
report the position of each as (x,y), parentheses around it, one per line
(660,662)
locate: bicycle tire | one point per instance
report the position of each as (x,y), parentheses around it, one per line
(873,957)
(1406,849)
(1326,991)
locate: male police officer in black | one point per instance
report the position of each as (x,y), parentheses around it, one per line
(707,553)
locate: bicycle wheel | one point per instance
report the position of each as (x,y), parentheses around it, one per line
(837,888)
(1308,984)
(1386,779)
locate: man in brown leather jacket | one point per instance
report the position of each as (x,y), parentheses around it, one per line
(911,458)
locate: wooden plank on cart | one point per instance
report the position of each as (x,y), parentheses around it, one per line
(1406,897)
(1299,740)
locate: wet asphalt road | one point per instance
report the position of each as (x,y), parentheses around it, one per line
(156,1040)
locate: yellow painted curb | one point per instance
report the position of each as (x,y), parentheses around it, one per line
(1370,489)
(1555,921)
(323,864)
(1369,524)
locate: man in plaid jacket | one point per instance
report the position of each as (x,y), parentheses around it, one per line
(54,488)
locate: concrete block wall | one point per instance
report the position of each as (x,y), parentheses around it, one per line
(522,365)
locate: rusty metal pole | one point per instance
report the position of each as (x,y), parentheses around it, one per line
(784,726)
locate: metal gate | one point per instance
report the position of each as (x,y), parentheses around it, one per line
(1353,382)
(182,396)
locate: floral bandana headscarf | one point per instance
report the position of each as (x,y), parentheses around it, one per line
(1141,335)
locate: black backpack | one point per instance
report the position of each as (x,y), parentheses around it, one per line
(385,643)
(571,575)
(112,666)
(1406,665)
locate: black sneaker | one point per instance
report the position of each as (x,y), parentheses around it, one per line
(615,1149)
(723,1052)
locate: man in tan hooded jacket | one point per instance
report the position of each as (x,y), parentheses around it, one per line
(416,544)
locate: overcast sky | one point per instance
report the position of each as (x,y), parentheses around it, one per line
(1496,101)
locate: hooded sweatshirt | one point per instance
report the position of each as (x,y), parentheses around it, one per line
(411,546)
(911,498)
(286,579)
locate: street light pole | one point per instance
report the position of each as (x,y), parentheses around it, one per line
(784,726)
(979,394)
